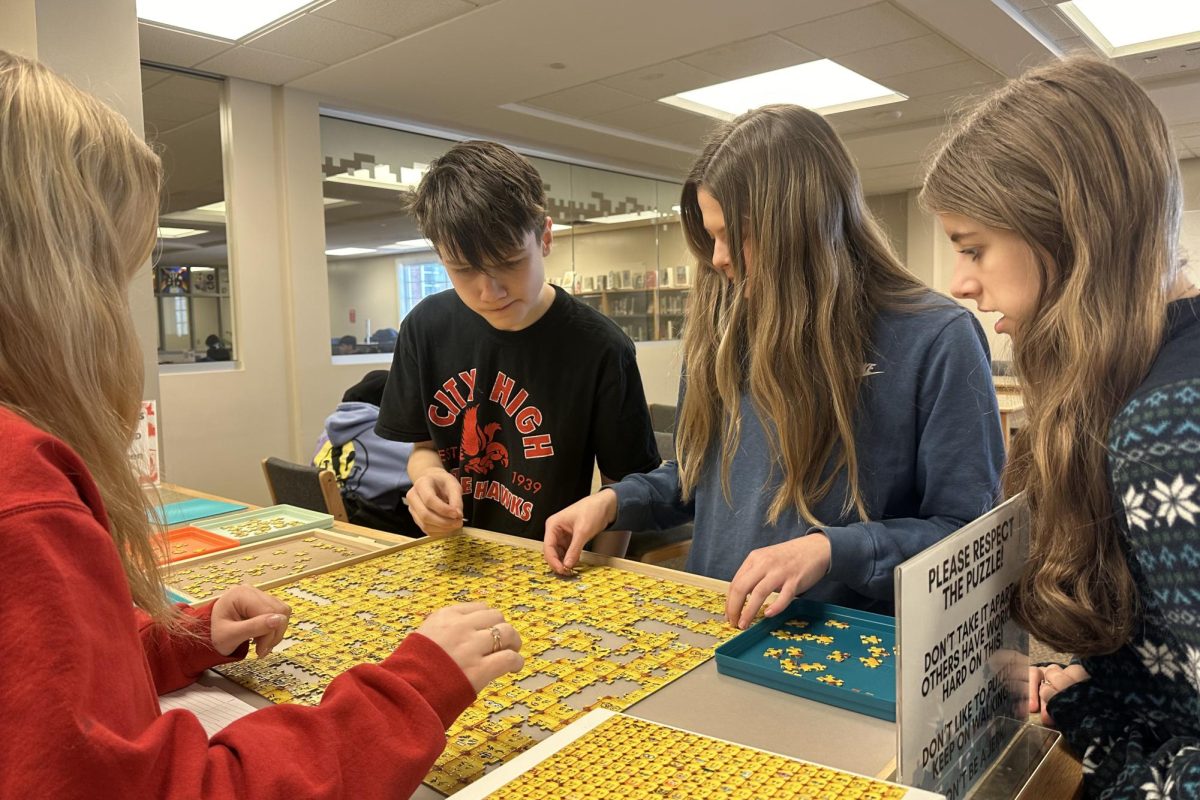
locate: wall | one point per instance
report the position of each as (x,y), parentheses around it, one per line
(217,426)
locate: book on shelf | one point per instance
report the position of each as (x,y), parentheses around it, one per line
(651,279)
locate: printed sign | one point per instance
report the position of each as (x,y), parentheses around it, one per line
(143,453)
(963,662)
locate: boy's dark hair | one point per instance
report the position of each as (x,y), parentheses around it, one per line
(369,389)
(479,202)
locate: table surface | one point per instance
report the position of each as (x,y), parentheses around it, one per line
(703,700)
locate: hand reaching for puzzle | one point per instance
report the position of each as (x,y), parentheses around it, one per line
(478,639)
(570,529)
(790,568)
(435,502)
(243,612)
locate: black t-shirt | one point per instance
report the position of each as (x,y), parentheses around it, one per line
(519,416)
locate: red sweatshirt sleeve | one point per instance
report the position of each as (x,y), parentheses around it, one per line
(80,716)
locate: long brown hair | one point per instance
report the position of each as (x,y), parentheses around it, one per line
(78,206)
(797,340)
(1075,159)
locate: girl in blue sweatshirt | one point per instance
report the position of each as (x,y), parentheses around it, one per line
(835,416)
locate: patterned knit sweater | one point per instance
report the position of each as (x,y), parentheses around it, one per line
(1136,723)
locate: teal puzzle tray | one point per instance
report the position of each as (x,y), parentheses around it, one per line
(266,523)
(823,652)
(188,510)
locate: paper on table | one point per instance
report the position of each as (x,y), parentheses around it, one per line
(215,708)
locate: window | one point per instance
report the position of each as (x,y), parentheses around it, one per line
(191,275)
(619,245)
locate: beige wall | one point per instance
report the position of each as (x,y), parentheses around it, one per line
(217,426)
(367,285)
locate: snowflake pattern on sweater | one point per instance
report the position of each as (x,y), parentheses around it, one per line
(1136,722)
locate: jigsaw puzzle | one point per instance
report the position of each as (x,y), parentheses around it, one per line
(266,523)
(604,639)
(625,758)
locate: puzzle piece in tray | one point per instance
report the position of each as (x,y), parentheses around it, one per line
(835,623)
(587,639)
(869,639)
(831,680)
(624,758)
(838,656)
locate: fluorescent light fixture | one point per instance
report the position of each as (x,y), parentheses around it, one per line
(178,233)
(349,251)
(822,85)
(408,245)
(1122,28)
(557,227)
(225,19)
(633,216)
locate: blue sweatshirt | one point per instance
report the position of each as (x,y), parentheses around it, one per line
(930,453)
(367,467)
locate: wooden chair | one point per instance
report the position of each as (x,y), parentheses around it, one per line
(304,486)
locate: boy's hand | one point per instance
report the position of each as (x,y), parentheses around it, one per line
(243,612)
(789,568)
(435,502)
(478,639)
(576,525)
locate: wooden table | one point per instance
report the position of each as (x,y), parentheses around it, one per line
(707,702)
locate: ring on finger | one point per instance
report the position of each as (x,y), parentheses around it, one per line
(1046,682)
(495,638)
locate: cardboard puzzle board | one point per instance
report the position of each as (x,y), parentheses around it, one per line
(607,756)
(199,579)
(605,638)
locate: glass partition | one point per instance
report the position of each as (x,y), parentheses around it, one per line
(617,240)
(191,275)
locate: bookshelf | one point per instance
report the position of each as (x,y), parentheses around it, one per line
(646,315)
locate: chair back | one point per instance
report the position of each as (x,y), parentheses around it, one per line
(666,445)
(662,417)
(304,486)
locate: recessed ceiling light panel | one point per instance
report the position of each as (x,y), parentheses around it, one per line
(1122,28)
(823,86)
(225,19)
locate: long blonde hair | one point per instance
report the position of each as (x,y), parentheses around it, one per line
(78,206)
(797,340)
(1074,158)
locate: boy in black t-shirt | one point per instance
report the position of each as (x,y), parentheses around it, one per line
(509,388)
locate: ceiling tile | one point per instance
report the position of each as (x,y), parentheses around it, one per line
(176,47)
(1024,5)
(691,132)
(661,80)
(1189,130)
(644,116)
(319,39)
(907,56)
(586,100)
(961,75)
(856,30)
(166,112)
(1050,22)
(809,10)
(259,65)
(750,57)
(1075,44)
(393,17)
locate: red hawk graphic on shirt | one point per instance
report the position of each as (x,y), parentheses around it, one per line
(478,451)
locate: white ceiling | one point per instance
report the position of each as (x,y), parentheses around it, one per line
(581,79)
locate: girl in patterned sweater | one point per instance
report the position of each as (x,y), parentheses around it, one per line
(1061,193)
